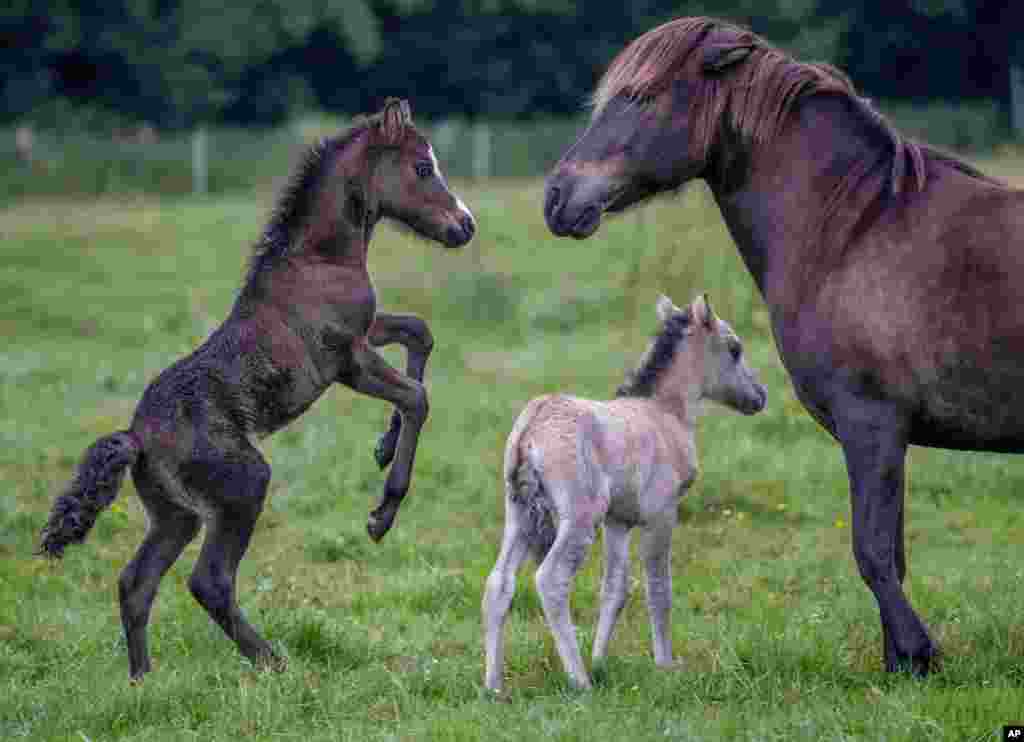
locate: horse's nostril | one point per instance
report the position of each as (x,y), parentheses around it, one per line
(553,196)
(468,225)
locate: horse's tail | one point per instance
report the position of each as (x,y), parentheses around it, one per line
(93,489)
(524,483)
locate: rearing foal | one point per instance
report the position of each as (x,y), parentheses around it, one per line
(304,319)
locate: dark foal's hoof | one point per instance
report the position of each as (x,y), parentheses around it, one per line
(380,522)
(385,449)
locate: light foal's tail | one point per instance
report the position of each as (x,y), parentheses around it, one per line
(524,482)
(94,487)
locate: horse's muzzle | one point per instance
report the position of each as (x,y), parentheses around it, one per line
(569,217)
(460,234)
(758,404)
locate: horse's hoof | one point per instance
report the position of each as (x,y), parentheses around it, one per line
(920,664)
(384,452)
(275,663)
(378,525)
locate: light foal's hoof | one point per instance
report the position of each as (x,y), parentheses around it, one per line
(274,663)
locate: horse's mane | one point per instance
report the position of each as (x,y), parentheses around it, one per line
(757,94)
(296,197)
(641,382)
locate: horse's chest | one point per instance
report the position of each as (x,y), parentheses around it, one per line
(337,330)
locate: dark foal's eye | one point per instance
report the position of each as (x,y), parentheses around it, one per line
(424,169)
(736,351)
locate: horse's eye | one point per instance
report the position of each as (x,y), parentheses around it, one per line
(736,352)
(424,169)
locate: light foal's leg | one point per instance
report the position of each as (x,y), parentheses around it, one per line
(501,586)
(375,377)
(555,576)
(413,333)
(614,586)
(656,549)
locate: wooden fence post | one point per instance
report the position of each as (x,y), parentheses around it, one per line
(481,150)
(200,161)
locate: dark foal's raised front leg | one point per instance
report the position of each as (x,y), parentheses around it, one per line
(875,447)
(375,377)
(413,333)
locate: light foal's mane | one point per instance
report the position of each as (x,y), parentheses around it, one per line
(642,381)
(756,94)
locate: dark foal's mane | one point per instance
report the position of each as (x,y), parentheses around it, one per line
(641,382)
(297,197)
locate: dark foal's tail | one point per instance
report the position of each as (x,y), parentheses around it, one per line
(96,482)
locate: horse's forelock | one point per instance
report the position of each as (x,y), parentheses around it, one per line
(650,63)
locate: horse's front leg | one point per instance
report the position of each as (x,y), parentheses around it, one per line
(375,377)
(413,333)
(875,446)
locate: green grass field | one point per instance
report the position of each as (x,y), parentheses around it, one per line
(776,636)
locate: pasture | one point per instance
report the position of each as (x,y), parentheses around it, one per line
(776,636)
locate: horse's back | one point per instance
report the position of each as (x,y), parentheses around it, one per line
(926,310)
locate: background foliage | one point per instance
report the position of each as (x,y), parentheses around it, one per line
(178,62)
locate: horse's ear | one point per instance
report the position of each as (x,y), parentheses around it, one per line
(703,310)
(393,119)
(666,308)
(718,57)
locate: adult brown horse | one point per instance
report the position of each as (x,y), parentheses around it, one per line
(892,271)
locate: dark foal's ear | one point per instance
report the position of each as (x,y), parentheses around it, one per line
(394,118)
(718,57)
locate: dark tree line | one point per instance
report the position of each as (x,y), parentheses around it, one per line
(176,63)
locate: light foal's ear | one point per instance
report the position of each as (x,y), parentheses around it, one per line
(703,312)
(665,308)
(395,116)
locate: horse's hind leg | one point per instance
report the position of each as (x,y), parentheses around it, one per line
(554,580)
(171,528)
(501,586)
(412,332)
(234,492)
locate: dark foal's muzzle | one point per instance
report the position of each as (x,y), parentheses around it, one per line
(458,235)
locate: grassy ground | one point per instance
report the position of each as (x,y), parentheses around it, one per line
(776,637)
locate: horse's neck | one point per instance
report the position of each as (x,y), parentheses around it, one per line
(679,401)
(773,215)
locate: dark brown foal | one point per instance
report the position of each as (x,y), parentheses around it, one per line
(304,319)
